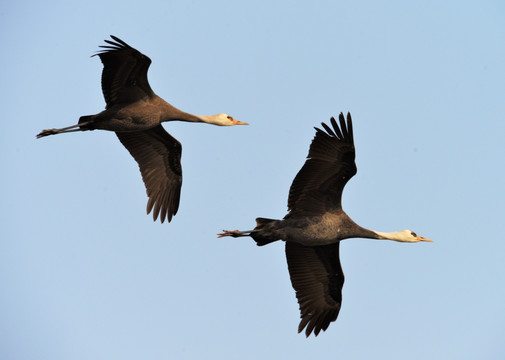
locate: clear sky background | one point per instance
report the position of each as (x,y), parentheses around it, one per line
(85,274)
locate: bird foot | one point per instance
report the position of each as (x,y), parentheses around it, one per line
(47,132)
(232,233)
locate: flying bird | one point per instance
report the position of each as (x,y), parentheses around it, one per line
(315,225)
(135,113)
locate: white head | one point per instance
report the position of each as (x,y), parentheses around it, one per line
(221,120)
(402,236)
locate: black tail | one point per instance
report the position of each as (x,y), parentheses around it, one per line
(264,232)
(86,119)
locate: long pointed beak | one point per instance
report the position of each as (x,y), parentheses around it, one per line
(237,122)
(420,238)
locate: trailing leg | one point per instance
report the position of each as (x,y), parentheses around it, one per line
(83,125)
(264,232)
(234,233)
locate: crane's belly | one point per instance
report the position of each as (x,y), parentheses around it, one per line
(127,124)
(322,230)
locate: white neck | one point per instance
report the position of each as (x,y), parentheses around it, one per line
(210,119)
(400,236)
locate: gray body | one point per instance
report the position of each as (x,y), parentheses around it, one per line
(143,114)
(317,230)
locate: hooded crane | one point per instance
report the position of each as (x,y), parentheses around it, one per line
(316,224)
(135,113)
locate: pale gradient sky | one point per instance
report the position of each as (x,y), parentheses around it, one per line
(85,274)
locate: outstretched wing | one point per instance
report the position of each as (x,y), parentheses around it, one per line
(159,157)
(317,277)
(124,75)
(318,186)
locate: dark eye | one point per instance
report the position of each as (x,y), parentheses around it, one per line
(413,234)
(229,117)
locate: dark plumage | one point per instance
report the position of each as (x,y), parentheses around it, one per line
(315,225)
(135,113)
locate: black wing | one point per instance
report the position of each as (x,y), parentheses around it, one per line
(159,157)
(317,277)
(318,186)
(124,75)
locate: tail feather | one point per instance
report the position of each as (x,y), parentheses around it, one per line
(263,221)
(86,119)
(264,232)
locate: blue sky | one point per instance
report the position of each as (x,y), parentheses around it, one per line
(85,274)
